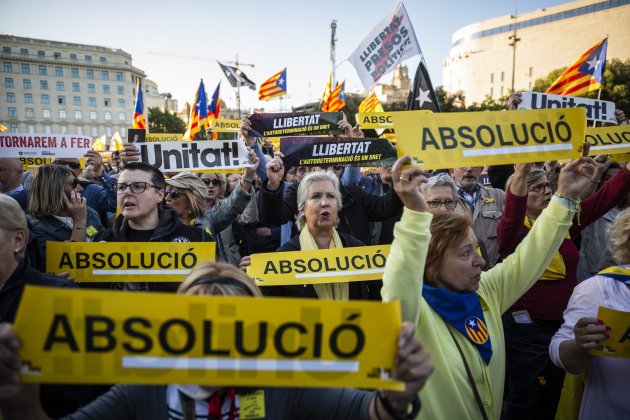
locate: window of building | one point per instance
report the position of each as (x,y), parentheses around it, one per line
(105,75)
(45,99)
(119,76)
(122,116)
(43,70)
(108,116)
(24,52)
(46,113)
(120,90)
(531,71)
(121,103)
(502,78)
(61,100)
(31,129)
(102,59)
(94,131)
(41,53)
(64,129)
(57,55)
(62,114)
(76,87)
(108,131)
(26,68)
(92,101)
(92,115)
(74,72)
(14,128)
(106,89)
(47,129)
(91,88)
(29,113)
(491,77)
(12,112)
(7,67)
(107,102)
(28,98)
(26,83)
(73,57)
(59,71)
(78,115)
(6,50)
(61,86)
(8,82)
(88,58)
(10,97)
(89,74)
(80,130)
(43,84)
(501,90)
(76,100)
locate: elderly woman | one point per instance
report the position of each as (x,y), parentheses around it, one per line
(534,384)
(440,193)
(413,366)
(57,212)
(457,308)
(581,332)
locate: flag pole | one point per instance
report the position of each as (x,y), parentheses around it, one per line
(599,95)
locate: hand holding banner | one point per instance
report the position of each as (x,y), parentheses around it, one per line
(618,343)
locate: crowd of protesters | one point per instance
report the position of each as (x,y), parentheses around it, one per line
(525,265)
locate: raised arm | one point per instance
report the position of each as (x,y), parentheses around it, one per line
(510,227)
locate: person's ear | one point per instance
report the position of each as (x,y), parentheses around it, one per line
(19,240)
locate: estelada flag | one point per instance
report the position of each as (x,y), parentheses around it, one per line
(584,75)
(99,143)
(326,94)
(214,109)
(116,142)
(371,104)
(336,100)
(138,112)
(273,87)
(198,113)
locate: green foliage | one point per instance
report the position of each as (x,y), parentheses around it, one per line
(456,102)
(165,122)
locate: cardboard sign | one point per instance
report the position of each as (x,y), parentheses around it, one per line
(180,156)
(609,140)
(378,119)
(287,123)
(226,126)
(32,163)
(618,342)
(319,266)
(317,151)
(451,140)
(596,110)
(85,336)
(137,135)
(153,137)
(127,261)
(25,145)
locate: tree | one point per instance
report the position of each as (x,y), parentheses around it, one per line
(165,122)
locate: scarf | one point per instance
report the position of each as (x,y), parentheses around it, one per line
(621,274)
(463,311)
(556,270)
(329,291)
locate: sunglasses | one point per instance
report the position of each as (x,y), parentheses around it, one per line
(71,165)
(214,181)
(173,193)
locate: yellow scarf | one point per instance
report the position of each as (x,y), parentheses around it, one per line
(329,291)
(556,269)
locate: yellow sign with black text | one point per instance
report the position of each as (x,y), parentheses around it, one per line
(451,140)
(618,342)
(339,265)
(156,137)
(86,336)
(609,140)
(379,119)
(226,126)
(127,261)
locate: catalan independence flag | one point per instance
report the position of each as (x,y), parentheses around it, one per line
(214,109)
(336,100)
(371,104)
(198,113)
(138,112)
(584,75)
(273,87)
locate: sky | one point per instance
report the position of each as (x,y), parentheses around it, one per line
(177,43)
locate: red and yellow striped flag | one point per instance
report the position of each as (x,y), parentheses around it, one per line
(273,87)
(371,104)
(336,100)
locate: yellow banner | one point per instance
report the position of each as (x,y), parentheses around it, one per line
(86,336)
(127,261)
(320,266)
(32,163)
(451,140)
(226,126)
(153,137)
(624,157)
(618,342)
(609,140)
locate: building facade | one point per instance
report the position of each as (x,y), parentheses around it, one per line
(59,87)
(154,99)
(397,90)
(485,60)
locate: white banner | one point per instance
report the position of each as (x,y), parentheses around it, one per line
(23,145)
(391,41)
(180,156)
(596,110)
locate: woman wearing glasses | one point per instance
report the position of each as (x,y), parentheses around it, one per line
(57,212)
(534,383)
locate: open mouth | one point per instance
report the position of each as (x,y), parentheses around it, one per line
(325,214)
(129,205)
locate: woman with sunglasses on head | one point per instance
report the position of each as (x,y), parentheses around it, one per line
(534,383)
(57,212)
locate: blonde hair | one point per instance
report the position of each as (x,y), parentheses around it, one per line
(195,201)
(46,190)
(200,281)
(12,219)
(619,234)
(223,184)
(302,193)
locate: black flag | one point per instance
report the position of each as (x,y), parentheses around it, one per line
(422,95)
(235,76)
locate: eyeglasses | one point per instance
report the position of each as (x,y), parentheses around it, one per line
(436,204)
(540,188)
(71,165)
(214,181)
(173,193)
(135,187)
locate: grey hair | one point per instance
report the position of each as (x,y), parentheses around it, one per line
(532,177)
(440,180)
(619,234)
(302,193)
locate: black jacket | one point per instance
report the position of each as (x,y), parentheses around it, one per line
(359,290)
(359,208)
